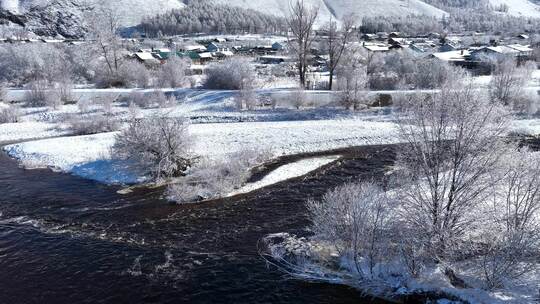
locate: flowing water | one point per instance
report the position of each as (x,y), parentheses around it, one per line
(68,240)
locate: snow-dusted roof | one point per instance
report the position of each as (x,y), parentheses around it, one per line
(194,47)
(458,55)
(521,48)
(144,56)
(205,55)
(502,49)
(225,53)
(377,47)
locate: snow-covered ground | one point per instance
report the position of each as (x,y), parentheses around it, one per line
(523,8)
(89,156)
(29,130)
(218,126)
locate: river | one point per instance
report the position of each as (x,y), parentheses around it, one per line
(64,239)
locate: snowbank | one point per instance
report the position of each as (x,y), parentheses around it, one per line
(288,171)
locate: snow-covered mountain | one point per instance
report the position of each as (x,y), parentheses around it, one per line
(525,8)
(132,11)
(339,8)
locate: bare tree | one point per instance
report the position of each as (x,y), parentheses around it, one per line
(513,231)
(104,24)
(509,80)
(336,43)
(453,141)
(158,145)
(300,21)
(353,80)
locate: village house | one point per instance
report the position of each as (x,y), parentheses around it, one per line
(215,47)
(497,52)
(448,47)
(146,58)
(277,46)
(458,57)
(424,48)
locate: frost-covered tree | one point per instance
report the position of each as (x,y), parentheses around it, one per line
(173,73)
(232,74)
(301,19)
(104,25)
(453,142)
(158,145)
(353,80)
(354,218)
(512,231)
(509,80)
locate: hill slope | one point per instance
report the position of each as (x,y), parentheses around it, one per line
(132,11)
(339,8)
(523,8)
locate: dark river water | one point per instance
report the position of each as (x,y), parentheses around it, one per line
(68,240)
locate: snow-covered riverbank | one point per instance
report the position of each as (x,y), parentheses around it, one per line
(89,156)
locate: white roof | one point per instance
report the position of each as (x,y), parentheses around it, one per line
(205,55)
(194,47)
(458,55)
(144,56)
(163,50)
(226,53)
(271,57)
(503,49)
(377,47)
(521,48)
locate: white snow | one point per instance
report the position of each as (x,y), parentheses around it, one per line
(523,8)
(339,8)
(288,171)
(29,130)
(84,156)
(89,156)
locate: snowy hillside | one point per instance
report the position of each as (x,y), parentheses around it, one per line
(132,11)
(523,8)
(339,8)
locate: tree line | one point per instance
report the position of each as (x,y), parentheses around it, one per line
(205,17)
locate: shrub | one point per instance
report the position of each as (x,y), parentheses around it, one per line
(354,218)
(3,94)
(64,92)
(173,73)
(214,178)
(134,74)
(231,74)
(39,95)
(155,98)
(92,124)
(298,98)
(159,146)
(9,113)
(246,99)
